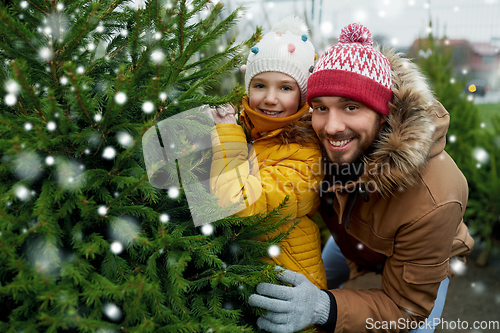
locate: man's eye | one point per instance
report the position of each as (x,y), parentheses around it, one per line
(351,107)
(320,108)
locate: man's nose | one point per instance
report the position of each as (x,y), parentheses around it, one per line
(334,123)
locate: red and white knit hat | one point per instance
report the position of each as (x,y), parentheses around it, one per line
(353,69)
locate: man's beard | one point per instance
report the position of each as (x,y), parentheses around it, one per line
(346,172)
(362,146)
(339,157)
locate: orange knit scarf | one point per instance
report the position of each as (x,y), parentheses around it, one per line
(258,122)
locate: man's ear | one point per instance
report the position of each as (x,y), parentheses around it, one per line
(383,119)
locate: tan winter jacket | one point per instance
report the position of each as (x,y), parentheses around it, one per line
(411,224)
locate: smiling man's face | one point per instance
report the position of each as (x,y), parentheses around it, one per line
(274,94)
(345,127)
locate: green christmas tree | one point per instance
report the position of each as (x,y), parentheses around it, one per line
(474,148)
(87,244)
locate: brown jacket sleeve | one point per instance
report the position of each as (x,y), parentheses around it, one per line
(411,277)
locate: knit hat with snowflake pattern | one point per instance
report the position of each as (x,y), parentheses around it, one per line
(286,49)
(353,69)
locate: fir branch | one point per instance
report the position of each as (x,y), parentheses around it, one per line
(180,26)
(22,79)
(71,45)
(11,22)
(79,98)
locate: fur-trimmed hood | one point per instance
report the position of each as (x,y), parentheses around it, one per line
(415,130)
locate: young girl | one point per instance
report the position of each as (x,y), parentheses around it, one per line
(288,156)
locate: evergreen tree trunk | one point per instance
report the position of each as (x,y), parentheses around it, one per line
(87,244)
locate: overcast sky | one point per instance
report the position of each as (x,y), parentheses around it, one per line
(400,21)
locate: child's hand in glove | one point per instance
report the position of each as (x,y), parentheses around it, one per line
(223,114)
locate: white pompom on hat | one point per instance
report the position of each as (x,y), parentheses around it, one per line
(286,49)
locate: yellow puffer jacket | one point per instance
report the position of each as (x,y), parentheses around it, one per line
(292,170)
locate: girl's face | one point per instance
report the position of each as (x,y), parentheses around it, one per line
(274,94)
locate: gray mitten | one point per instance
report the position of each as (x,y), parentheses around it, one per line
(291,309)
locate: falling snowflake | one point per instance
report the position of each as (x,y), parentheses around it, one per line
(28,165)
(22,193)
(98,117)
(228,305)
(49,160)
(100,28)
(207,229)
(24,4)
(43,255)
(102,210)
(164,218)
(173,192)
(120,97)
(109,153)
(478,287)
(457,266)
(112,311)
(124,139)
(69,174)
(274,251)
(116,247)
(51,126)
(481,155)
(10,99)
(80,70)
(12,87)
(148,107)
(28,126)
(157,57)
(360,246)
(125,229)
(452,138)
(163,96)
(63,80)
(45,53)
(158,35)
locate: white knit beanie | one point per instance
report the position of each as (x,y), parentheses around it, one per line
(286,50)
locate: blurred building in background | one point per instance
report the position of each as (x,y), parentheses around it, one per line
(478,62)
